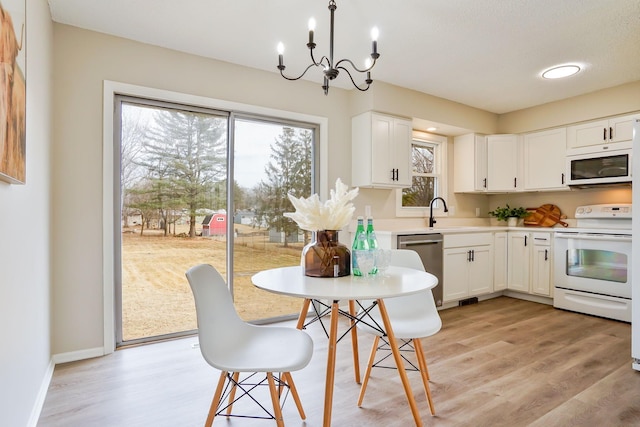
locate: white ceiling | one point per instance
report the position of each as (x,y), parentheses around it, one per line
(483,53)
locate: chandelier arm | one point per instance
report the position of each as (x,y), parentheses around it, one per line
(301,75)
(364,70)
(353,81)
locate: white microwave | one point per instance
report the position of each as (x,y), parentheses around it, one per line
(602,167)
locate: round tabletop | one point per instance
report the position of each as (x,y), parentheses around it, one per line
(395,282)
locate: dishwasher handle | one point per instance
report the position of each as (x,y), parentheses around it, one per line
(419,242)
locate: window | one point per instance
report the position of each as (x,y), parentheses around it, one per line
(428,158)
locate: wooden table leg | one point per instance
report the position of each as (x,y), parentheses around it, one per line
(331,364)
(399,364)
(303,313)
(354,341)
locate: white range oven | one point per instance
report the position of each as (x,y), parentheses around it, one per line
(592,264)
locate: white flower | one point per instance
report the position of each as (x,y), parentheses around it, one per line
(334,214)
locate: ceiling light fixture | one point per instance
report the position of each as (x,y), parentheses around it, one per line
(331,68)
(560,71)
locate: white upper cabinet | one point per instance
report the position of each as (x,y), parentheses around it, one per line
(504,162)
(381,151)
(470,163)
(544,160)
(599,132)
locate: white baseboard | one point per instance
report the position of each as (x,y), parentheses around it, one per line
(529,297)
(73,356)
(42,395)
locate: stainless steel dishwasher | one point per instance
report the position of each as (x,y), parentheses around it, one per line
(429,247)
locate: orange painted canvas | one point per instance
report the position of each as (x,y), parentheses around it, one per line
(12,92)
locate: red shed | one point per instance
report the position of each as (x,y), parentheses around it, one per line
(214,225)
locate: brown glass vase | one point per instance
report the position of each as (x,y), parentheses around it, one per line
(326,256)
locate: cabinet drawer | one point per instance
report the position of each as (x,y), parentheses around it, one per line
(541,239)
(471,239)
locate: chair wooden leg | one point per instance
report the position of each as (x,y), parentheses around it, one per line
(232,394)
(367,373)
(424,372)
(216,399)
(303,313)
(275,400)
(354,341)
(294,393)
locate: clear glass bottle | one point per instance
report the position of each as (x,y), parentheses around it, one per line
(371,240)
(360,243)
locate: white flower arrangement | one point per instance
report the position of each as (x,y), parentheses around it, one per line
(334,214)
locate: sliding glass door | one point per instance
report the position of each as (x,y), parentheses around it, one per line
(177,209)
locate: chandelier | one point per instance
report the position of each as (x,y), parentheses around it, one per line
(331,69)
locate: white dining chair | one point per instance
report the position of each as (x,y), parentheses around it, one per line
(412,317)
(235,347)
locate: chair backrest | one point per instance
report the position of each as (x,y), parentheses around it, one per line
(411,303)
(219,326)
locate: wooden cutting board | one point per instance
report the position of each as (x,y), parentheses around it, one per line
(546,215)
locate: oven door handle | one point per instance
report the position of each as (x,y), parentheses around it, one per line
(599,237)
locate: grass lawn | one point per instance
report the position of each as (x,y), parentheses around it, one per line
(156,295)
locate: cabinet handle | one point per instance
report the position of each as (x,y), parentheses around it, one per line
(546,254)
(563,179)
(473,255)
(604,134)
(395,171)
(525,240)
(485,183)
(515,182)
(468,256)
(610,133)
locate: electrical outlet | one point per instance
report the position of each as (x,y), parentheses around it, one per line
(452,210)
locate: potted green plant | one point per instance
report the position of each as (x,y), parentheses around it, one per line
(509,214)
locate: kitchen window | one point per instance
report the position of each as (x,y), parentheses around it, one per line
(428,160)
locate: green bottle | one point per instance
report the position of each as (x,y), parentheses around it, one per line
(360,243)
(371,240)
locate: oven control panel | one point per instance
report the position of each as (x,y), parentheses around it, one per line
(621,210)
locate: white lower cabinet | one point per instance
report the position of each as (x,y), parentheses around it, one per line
(468,265)
(500,247)
(529,262)
(541,264)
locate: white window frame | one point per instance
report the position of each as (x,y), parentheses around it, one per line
(440,166)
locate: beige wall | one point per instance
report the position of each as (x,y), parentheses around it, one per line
(25,357)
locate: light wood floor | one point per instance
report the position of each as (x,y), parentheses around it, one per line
(502,362)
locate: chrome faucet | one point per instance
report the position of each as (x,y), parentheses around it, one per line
(432,220)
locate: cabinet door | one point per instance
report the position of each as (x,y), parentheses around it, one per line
(381,142)
(500,261)
(518,261)
(621,128)
(586,134)
(481,270)
(400,151)
(503,162)
(470,163)
(541,270)
(456,276)
(544,160)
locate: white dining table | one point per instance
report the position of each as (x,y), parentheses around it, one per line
(397,281)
